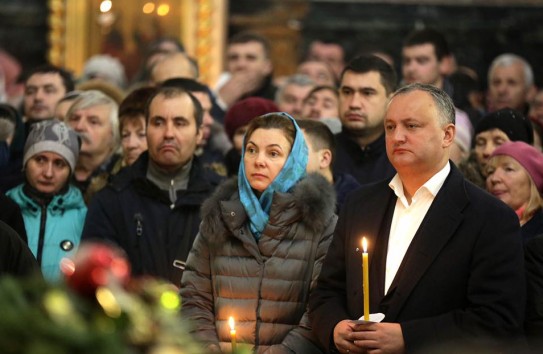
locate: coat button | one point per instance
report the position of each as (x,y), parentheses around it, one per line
(67,245)
(232,214)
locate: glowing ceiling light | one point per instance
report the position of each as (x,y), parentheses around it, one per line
(163,9)
(148,8)
(105,5)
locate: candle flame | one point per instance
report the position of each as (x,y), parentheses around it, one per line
(364,244)
(231,323)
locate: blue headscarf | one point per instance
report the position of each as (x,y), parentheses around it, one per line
(258,209)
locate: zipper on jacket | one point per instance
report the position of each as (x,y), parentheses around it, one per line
(41,239)
(172,194)
(139,224)
(138,218)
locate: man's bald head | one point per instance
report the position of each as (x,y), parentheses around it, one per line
(175,65)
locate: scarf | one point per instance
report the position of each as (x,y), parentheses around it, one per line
(294,169)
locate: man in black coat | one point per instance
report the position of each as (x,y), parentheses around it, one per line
(16,259)
(534,303)
(366,85)
(151,209)
(10,213)
(445,258)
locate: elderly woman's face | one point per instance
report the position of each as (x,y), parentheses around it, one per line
(485,144)
(508,181)
(266,152)
(47,172)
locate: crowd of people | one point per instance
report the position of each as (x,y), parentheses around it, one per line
(252,196)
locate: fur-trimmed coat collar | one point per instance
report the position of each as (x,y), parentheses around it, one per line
(313,201)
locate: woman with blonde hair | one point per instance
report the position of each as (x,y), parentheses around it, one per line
(515,175)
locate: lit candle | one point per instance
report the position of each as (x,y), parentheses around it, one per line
(232,333)
(365,279)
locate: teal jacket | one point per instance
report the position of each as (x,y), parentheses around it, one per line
(54,230)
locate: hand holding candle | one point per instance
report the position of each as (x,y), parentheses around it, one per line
(365,279)
(232,333)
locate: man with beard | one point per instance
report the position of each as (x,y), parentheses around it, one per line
(94,116)
(152,208)
(365,88)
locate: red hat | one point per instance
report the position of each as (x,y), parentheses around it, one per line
(528,156)
(242,112)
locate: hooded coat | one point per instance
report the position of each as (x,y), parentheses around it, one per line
(263,284)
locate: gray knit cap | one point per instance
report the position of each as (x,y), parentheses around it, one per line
(53,136)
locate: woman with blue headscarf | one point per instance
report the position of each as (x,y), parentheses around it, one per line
(262,241)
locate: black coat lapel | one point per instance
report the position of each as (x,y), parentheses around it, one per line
(438,226)
(371,222)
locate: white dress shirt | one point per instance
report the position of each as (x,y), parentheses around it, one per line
(408,217)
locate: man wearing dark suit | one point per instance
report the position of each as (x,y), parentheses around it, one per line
(445,258)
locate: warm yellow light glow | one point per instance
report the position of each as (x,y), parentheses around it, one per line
(231,323)
(107,300)
(163,9)
(105,5)
(170,300)
(364,245)
(148,8)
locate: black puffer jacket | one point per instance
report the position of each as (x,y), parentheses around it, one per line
(138,216)
(263,284)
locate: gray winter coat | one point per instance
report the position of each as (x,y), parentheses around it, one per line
(263,284)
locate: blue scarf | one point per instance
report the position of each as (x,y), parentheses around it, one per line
(258,209)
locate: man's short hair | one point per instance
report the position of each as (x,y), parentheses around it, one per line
(297,80)
(67,78)
(329,40)
(186,84)
(443,102)
(155,46)
(319,88)
(246,37)
(320,135)
(173,92)
(92,98)
(508,59)
(367,63)
(429,36)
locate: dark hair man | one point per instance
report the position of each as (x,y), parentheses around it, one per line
(365,88)
(249,70)
(425,57)
(152,208)
(44,87)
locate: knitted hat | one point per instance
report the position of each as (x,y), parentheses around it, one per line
(528,156)
(242,112)
(53,136)
(511,122)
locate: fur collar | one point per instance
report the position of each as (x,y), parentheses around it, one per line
(313,194)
